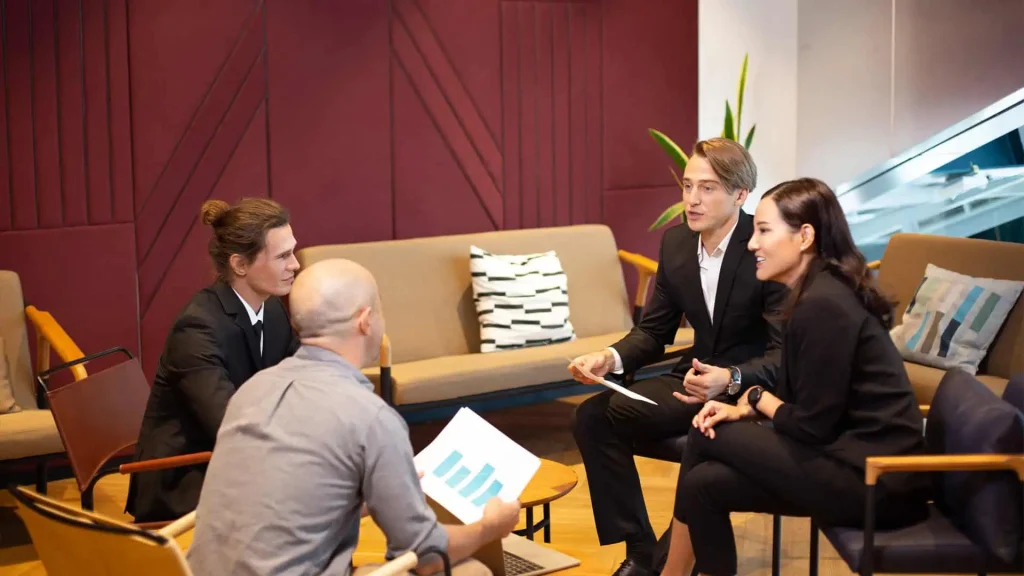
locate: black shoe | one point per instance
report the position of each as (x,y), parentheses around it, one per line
(630,567)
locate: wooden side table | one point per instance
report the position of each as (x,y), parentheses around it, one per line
(552,481)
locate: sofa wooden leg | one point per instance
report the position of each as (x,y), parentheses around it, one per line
(41,478)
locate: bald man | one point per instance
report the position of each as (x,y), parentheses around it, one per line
(306,448)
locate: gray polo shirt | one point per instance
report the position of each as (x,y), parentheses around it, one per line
(302,445)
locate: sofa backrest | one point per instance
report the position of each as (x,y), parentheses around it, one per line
(15,336)
(903,267)
(428,297)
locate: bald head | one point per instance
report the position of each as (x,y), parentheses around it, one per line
(328,298)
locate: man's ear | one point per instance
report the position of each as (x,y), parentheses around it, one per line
(238,265)
(741,196)
(363,321)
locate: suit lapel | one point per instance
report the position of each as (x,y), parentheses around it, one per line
(733,255)
(233,306)
(698,315)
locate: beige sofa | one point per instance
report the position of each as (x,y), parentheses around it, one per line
(433,338)
(28,438)
(900,272)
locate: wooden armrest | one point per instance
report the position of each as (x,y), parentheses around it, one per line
(51,336)
(645,269)
(878,465)
(401,565)
(165,463)
(924,408)
(874,265)
(179,526)
(385,352)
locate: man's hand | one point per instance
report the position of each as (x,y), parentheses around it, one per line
(715,412)
(596,363)
(704,382)
(500,518)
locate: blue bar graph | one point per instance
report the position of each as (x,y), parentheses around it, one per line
(486,495)
(477,482)
(455,479)
(447,465)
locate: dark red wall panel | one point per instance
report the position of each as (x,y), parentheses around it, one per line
(84,276)
(330,117)
(367,119)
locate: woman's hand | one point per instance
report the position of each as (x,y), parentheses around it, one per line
(715,412)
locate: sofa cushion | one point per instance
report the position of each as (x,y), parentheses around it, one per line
(953,318)
(522,300)
(903,266)
(967,418)
(469,374)
(437,318)
(925,381)
(15,339)
(28,433)
(7,402)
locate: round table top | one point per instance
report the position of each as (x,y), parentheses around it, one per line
(552,481)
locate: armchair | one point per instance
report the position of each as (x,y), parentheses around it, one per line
(29,437)
(976,521)
(99,418)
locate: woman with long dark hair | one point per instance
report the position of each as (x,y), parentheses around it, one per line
(842,395)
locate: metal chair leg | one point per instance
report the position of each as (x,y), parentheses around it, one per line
(813,556)
(776,545)
(41,478)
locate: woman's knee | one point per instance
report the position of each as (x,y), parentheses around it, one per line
(696,488)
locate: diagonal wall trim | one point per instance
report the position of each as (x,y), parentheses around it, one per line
(198,137)
(183,215)
(445,118)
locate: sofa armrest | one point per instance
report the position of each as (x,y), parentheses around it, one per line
(645,270)
(874,265)
(51,336)
(387,388)
(165,463)
(875,466)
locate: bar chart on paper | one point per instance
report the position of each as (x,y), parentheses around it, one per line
(470,462)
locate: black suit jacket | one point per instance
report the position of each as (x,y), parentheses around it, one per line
(740,334)
(212,349)
(844,384)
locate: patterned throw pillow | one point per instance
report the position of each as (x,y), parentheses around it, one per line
(953,319)
(521,301)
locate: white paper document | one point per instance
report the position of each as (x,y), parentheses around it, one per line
(471,462)
(613,385)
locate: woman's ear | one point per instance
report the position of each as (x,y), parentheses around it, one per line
(238,265)
(806,237)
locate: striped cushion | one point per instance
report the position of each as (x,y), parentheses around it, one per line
(953,318)
(521,301)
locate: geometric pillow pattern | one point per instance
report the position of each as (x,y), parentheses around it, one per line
(953,319)
(521,300)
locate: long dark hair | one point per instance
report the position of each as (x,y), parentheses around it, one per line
(811,201)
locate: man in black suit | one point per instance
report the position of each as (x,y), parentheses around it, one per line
(707,275)
(225,334)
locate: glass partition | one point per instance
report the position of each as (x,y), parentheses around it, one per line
(967,181)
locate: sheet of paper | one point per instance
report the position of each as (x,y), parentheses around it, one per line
(471,462)
(614,386)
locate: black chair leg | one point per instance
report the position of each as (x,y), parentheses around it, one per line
(813,556)
(41,478)
(776,545)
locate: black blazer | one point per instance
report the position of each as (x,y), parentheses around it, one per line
(212,349)
(843,381)
(740,335)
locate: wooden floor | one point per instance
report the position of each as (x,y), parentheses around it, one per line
(542,429)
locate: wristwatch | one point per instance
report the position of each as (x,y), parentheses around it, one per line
(754,397)
(734,384)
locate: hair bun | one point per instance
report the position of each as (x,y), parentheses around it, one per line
(212,210)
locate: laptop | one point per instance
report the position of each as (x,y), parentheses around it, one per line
(513,555)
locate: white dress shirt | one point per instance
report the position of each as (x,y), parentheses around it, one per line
(710,270)
(253,317)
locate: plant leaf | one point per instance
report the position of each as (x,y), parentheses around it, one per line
(676,176)
(750,137)
(670,213)
(673,150)
(739,96)
(728,132)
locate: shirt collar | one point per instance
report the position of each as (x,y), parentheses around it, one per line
(722,246)
(318,354)
(253,315)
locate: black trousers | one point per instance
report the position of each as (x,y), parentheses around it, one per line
(607,425)
(749,467)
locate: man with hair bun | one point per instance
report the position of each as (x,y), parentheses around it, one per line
(226,333)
